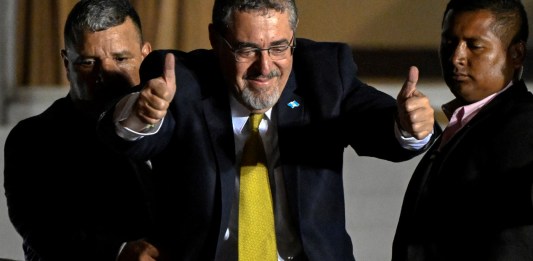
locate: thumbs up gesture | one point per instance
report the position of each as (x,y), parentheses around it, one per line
(156,95)
(415,114)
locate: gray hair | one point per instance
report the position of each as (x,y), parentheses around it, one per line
(223,10)
(98,15)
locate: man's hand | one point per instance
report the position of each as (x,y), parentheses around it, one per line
(415,114)
(139,250)
(156,95)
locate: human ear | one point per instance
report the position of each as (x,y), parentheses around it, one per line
(517,52)
(146,49)
(66,62)
(213,36)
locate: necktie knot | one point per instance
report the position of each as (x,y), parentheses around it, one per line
(255,120)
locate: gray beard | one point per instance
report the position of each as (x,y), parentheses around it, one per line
(259,102)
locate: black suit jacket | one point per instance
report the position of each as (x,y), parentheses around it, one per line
(194,156)
(473,200)
(69,195)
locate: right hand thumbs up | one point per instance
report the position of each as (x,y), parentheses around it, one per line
(157,94)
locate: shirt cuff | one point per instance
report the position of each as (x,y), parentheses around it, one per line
(123,111)
(409,142)
(120,249)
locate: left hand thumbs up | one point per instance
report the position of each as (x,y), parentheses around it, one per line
(415,114)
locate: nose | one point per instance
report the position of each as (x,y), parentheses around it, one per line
(107,67)
(264,62)
(458,56)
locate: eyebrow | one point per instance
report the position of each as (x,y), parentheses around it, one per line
(122,53)
(250,44)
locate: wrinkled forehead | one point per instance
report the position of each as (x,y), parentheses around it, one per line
(259,22)
(224,10)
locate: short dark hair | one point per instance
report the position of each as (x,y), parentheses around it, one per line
(98,15)
(508,14)
(224,9)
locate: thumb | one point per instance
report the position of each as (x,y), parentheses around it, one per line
(409,86)
(169,75)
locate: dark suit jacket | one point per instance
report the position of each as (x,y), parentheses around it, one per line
(69,196)
(473,200)
(194,156)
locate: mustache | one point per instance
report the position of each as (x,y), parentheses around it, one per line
(272,74)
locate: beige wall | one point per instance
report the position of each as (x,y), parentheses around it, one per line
(376,23)
(391,24)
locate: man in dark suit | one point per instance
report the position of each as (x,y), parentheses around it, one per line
(311,107)
(69,196)
(470,197)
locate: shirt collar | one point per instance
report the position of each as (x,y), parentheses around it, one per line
(240,114)
(451,108)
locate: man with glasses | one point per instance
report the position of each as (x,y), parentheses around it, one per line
(298,101)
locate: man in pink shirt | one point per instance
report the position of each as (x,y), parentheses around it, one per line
(470,198)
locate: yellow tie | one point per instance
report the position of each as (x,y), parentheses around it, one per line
(257,235)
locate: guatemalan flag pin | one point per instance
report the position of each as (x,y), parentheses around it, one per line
(293,104)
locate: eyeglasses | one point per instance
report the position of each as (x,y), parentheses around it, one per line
(250,54)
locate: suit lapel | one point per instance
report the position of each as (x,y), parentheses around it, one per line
(289,112)
(290,105)
(218,119)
